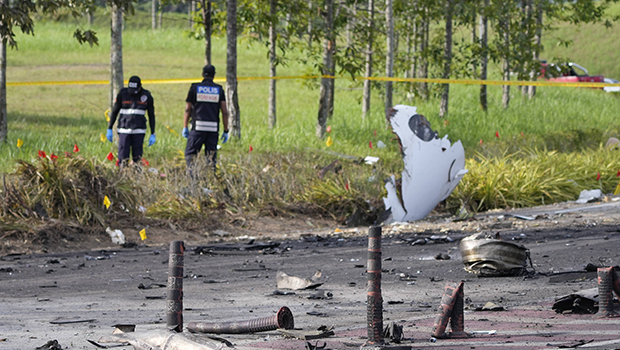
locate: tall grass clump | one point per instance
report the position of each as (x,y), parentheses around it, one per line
(534,177)
(68,188)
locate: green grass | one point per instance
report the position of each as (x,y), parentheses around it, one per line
(55,118)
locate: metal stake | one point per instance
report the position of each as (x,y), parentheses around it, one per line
(174,313)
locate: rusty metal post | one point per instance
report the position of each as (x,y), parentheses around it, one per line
(446,306)
(457,319)
(605,292)
(174,312)
(375,301)
(283,319)
(616,282)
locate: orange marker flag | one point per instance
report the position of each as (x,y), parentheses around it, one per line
(20,143)
(75,148)
(329,128)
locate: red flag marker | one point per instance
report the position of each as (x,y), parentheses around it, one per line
(445,122)
(67,154)
(497,134)
(598,176)
(522,134)
(480,142)
(75,148)
(251,149)
(110,157)
(370,144)
(53,157)
(618,174)
(375,133)
(329,128)
(145,162)
(42,154)
(346,186)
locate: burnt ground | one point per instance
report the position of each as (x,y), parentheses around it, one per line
(80,287)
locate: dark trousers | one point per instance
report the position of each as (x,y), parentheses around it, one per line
(195,140)
(130,143)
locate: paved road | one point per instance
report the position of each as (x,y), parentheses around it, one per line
(72,297)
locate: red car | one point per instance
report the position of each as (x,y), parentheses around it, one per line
(568,73)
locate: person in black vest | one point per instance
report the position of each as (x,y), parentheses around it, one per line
(204,102)
(132,103)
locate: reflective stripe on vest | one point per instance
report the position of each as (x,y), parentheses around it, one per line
(131,131)
(133,111)
(202,125)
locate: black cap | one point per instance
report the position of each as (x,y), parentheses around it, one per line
(208,71)
(134,84)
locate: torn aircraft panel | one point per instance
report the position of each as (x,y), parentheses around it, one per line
(433,166)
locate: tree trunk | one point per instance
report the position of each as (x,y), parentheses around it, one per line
(368,73)
(527,49)
(423,65)
(447,61)
(232,99)
(116,53)
(506,61)
(4,120)
(328,44)
(190,13)
(474,41)
(484,52)
(272,62)
(206,21)
(389,57)
(310,24)
(161,16)
(537,48)
(154,14)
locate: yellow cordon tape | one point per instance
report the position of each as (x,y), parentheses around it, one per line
(403,80)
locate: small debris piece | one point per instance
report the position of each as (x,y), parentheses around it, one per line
(582,302)
(252,246)
(117,236)
(285,281)
(321,332)
(316,346)
(317,313)
(521,217)
(151,286)
(215,281)
(73,321)
(320,295)
(393,332)
(50,345)
(490,306)
(161,340)
(281,292)
(101,346)
(589,196)
(442,256)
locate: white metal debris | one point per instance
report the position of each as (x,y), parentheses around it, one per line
(433,166)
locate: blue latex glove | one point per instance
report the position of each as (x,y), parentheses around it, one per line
(152,140)
(185,132)
(109,135)
(224,137)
